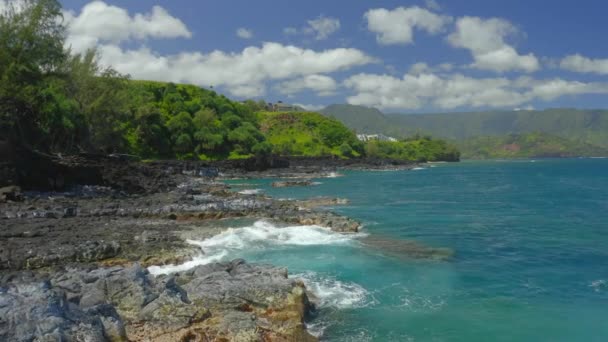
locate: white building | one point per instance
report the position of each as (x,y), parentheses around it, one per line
(378,137)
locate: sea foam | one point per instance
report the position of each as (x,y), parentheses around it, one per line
(261,235)
(250,191)
(332,293)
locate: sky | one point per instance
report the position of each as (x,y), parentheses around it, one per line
(398,56)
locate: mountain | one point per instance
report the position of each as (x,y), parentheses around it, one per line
(580,126)
(528,145)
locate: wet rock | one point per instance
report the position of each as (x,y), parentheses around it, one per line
(406,248)
(322,202)
(285,184)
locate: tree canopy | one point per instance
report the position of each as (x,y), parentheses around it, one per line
(57,101)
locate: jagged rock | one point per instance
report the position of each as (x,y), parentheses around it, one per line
(233,300)
(38,311)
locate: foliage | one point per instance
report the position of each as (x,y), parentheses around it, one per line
(585,126)
(56,101)
(31,52)
(421,149)
(308,134)
(531,145)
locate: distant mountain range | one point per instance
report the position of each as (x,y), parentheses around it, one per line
(551,132)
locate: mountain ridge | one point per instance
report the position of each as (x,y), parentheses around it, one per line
(579,125)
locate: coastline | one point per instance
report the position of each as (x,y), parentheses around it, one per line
(58,247)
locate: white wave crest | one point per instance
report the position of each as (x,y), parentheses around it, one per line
(332,293)
(599,285)
(261,235)
(333,175)
(250,191)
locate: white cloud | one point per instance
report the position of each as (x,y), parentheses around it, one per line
(421,68)
(583,64)
(455,91)
(244,33)
(322,85)
(432,4)
(321,27)
(485,38)
(310,107)
(99,22)
(242,73)
(397,26)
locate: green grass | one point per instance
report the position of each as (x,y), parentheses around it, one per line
(307,134)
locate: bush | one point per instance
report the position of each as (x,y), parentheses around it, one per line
(346,150)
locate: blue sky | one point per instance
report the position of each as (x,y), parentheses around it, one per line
(399,56)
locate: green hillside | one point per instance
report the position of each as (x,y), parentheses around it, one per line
(577,126)
(528,145)
(308,134)
(59,102)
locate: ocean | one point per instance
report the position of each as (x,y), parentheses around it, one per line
(471,251)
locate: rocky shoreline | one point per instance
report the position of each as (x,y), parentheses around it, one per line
(74,262)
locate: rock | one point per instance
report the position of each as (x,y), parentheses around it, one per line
(406,248)
(235,301)
(38,311)
(285,184)
(11,193)
(322,202)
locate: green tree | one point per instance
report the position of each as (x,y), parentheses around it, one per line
(102,96)
(31,51)
(346,150)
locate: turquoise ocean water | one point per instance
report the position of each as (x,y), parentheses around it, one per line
(530,243)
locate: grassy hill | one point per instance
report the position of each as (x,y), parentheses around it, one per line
(528,145)
(308,134)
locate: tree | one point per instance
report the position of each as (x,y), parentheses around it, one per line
(346,150)
(103,98)
(31,50)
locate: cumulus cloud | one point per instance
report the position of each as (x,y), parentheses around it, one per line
(321,27)
(421,68)
(455,91)
(485,38)
(244,33)
(397,26)
(578,63)
(322,85)
(99,22)
(242,73)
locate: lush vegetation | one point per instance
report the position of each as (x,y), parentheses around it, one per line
(309,134)
(585,126)
(57,101)
(531,145)
(421,149)
(61,102)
